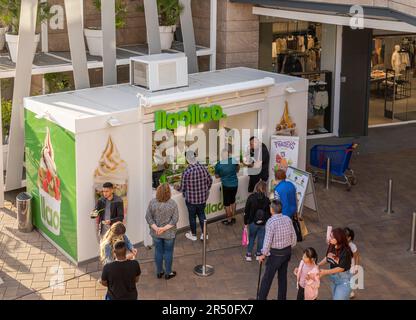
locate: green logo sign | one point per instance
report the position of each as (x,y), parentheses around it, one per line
(194,115)
(50,215)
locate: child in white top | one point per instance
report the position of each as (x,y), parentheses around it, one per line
(356,256)
(307,275)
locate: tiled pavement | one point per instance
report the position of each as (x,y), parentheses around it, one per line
(26,259)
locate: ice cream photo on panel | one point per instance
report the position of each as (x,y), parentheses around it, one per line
(111,168)
(49,187)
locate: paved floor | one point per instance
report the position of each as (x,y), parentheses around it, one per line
(28,263)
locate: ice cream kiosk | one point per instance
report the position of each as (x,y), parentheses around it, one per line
(76,141)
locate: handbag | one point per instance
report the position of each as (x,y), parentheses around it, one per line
(244,238)
(303,229)
(298,231)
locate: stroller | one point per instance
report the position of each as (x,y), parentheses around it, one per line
(340,156)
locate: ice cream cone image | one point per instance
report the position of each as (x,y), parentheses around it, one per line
(112,168)
(49,188)
(285,122)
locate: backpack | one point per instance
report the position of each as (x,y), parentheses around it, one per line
(260,217)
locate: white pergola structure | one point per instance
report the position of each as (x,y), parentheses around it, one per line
(78,61)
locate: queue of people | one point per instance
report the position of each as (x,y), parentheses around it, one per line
(270,223)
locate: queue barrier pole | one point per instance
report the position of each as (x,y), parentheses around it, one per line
(389,209)
(204,270)
(413,235)
(328,173)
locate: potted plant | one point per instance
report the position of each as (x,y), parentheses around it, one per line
(94,35)
(57,82)
(10,15)
(169,12)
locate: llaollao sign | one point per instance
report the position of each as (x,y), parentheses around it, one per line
(195,114)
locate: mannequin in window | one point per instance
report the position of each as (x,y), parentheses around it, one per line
(396,60)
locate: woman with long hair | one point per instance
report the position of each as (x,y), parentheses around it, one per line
(339,257)
(117,232)
(256,214)
(162,216)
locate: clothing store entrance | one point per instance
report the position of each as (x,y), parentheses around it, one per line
(393,78)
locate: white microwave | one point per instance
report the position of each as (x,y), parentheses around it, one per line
(159,71)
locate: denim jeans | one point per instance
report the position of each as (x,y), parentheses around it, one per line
(163,252)
(255,231)
(278,261)
(195,210)
(340,285)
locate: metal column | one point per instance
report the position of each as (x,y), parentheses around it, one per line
(22,83)
(188,36)
(152,26)
(74,18)
(108,25)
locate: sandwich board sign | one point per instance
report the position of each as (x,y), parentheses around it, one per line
(305,189)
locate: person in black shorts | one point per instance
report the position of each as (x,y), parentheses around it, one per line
(227,170)
(121,275)
(259,161)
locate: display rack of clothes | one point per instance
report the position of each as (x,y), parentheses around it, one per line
(296,41)
(396,88)
(291,61)
(319,98)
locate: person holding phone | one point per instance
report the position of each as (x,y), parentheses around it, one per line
(339,258)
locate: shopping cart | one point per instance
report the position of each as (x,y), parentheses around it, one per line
(340,156)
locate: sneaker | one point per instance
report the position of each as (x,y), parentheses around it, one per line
(190,236)
(202,237)
(248,257)
(160,275)
(170,275)
(258,255)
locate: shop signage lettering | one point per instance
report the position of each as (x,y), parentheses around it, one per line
(194,115)
(213,208)
(49,216)
(286,144)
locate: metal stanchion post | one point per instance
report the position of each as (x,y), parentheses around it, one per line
(328,173)
(413,236)
(204,270)
(389,209)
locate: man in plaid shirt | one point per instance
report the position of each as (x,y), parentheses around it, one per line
(277,246)
(195,186)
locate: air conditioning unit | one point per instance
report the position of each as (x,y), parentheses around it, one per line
(159,71)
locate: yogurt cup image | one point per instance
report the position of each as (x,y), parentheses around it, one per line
(49,188)
(112,168)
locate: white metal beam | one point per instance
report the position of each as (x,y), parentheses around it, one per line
(1,157)
(152,26)
(213,35)
(44,34)
(333,19)
(77,43)
(108,25)
(25,55)
(188,35)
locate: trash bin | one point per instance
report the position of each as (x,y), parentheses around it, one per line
(24,212)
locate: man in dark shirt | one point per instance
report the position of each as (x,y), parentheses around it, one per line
(110,208)
(121,275)
(261,159)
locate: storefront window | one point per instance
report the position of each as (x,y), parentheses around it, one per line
(392,79)
(169,165)
(307,50)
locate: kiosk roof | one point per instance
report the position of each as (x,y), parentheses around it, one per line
(100,101)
